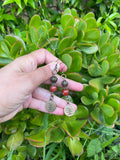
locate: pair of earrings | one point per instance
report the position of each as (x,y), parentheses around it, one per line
(50,105)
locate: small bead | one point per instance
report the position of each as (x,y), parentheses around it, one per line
(64,83)
(65,92)
(53,88)
(53,79)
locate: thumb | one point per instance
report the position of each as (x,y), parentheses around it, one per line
(42,74)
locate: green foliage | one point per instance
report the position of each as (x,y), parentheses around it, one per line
(93,59)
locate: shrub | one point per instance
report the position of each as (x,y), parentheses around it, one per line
(92,58)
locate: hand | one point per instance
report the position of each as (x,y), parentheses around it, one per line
(19,83)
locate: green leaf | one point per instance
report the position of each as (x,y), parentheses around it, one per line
(106,50)
(97,70)
(66,50)
(93,147)
(67,20)
(52,31)
(74,76)
(65,43)
(95,114)
(58,134)
(38,120)
(115,89)
(113,15)
(74,12)
(37,139)
(111,120)
(88,48)
(82,112)
(5,61)
(18,3)
(86,101)
(25,1)
(108,110)
(8,1)
(70,32)
(31,151)
(46,24)
(3,153)
(5,49)
(15,140)
(67,59)
(115,42)
(34,35)
(103,39)
(92,35)
(97,83)
(114,60)
(15,49)
(74,145)
(42,32)
(76,61)
(35,22)
(13,38)
(81,25)
(89,15)
(91,23)
(114,103)
(115,71)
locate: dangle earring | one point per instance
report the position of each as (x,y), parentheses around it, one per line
(50,105)
(69,109)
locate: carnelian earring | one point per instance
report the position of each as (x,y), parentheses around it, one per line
(69,109)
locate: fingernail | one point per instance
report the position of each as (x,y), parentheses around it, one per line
(55,66)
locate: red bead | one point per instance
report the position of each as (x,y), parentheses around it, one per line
(65,92)
(53,88)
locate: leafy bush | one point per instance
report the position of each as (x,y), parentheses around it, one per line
(92,58)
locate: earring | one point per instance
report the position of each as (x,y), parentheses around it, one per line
(50,105)
(69,109)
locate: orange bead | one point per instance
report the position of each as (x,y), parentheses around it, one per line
(53,88)
(65,92)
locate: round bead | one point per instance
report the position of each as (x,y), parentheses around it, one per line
(53,88)
(53,79)
(65,92)
(64,83)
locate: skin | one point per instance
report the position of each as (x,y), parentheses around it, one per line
(20,82)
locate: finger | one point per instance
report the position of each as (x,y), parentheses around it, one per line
(72,85)
(41,74)
(40,105)
(44,95)
(30,62)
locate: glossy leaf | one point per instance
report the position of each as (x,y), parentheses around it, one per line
(34,35)
(93,147)
(15,140)
(67,59)
(103,39)
(65,43)
(76,61)
(67,20)
(114,103)
(74,76)
(108,110)
(74,145)
(82,112)
(89,15)
(35,21)
(70,32)
(88,48)
(91,23)
(52,31)
(92,35)
(106,50)
(58,134)
(46,24)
